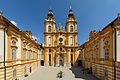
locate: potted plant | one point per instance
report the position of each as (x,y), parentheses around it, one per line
(60,74)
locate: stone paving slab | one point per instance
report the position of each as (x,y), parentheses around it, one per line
(50,73)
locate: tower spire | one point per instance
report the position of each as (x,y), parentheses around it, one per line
(70,7)
(50,8)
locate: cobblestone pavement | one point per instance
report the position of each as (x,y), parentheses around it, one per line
(50,73)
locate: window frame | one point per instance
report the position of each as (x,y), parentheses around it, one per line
(106,53)
(71,28)
(14,54)
(49,28)
(13,42)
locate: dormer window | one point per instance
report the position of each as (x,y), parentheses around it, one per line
(49,28)
(13,42)
(71,28)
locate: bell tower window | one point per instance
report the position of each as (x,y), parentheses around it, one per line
(49,28)
(71,28)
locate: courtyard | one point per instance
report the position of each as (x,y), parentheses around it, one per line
(50,73)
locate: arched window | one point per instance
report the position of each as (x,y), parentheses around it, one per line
(50,41)
(71,40)
(13,42)
(13,54)
(71,28)
(49,28)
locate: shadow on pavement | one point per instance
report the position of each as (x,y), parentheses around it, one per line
(78,73)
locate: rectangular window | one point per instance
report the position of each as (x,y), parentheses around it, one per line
(24,54)
(14,73)
(49,50)
(71,40)
(33,55)
(96,55)
(91,55)
(50,40)
(106,73)
(95,69)
(13,54)
(65,42)
(71,50)
(30,55)
(60,49)
(49,28)
(106,54)
(55,42)
(71,57)
(24,69)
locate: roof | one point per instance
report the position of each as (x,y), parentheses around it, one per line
(9,23)
(110,24)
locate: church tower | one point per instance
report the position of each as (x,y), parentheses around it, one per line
(60,42)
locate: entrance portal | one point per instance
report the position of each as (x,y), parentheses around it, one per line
(60,62)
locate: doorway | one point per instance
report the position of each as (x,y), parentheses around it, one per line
(60,62)
(42,62)
(30,69)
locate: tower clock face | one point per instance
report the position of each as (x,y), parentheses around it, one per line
(60,39)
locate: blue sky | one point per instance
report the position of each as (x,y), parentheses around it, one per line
(90,14)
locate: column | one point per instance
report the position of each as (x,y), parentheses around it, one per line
(64,59)
(75,58)
(68,58)
(46,57)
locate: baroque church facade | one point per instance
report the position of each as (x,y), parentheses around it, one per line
(60,42)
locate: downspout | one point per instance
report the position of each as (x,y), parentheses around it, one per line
(4,57)
(4,53)
(115,59)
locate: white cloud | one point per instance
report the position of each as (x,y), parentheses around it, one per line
(13,22)
(35,38)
